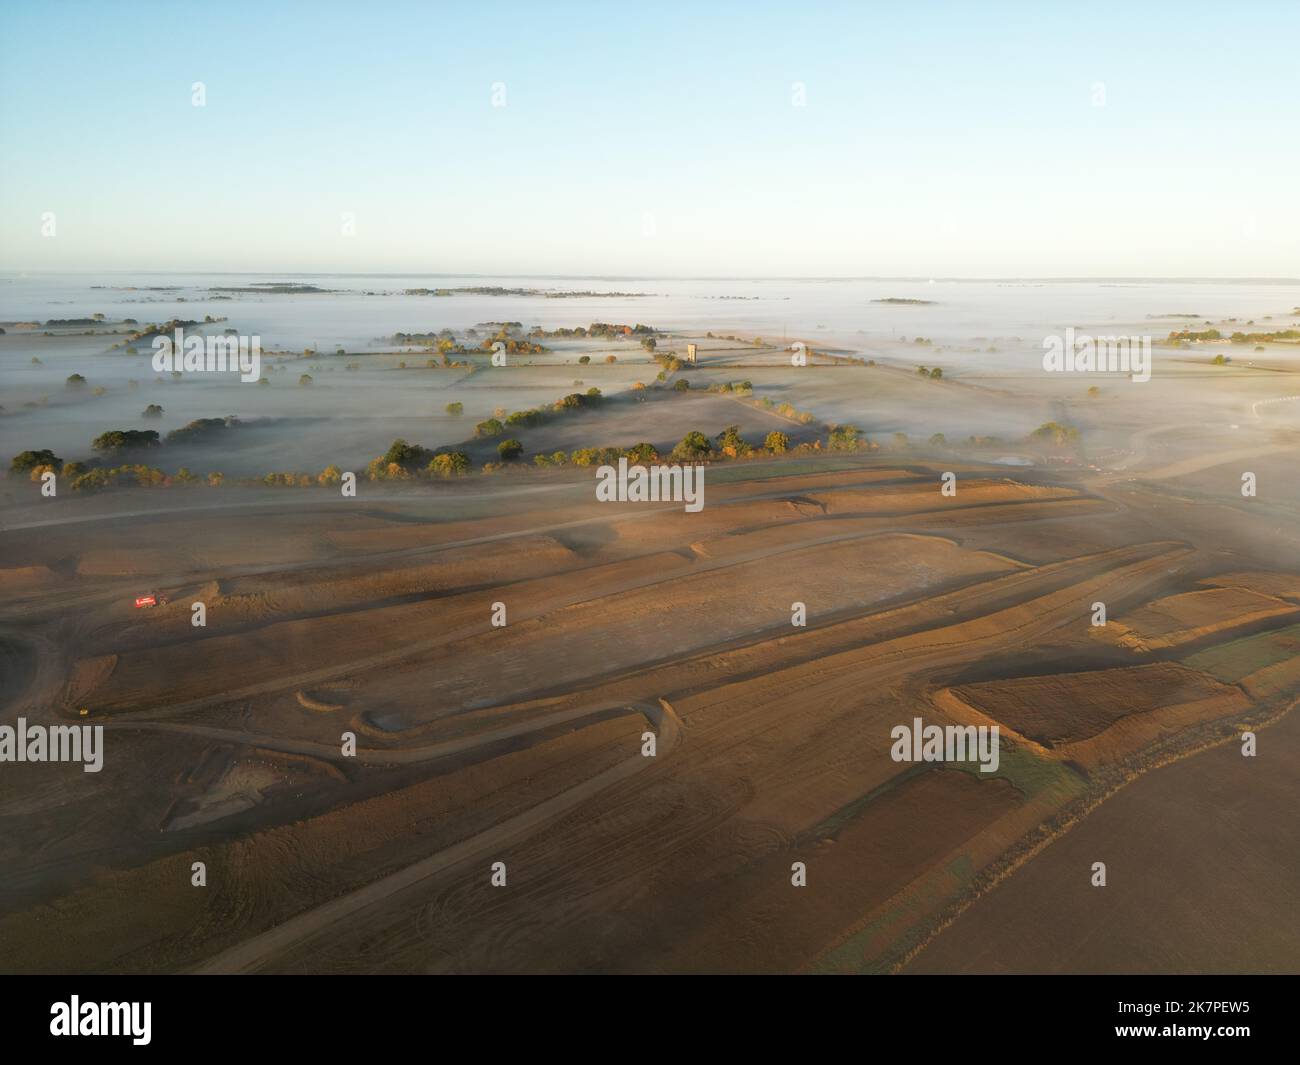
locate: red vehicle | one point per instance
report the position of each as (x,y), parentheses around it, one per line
(152,599)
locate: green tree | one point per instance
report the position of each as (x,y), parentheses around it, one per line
(1055,433)
(845,438)
(509,450)
(449,464)
(525,418)
(407,456)
(694,445)
(776,442)
(92,481)
(642,453)
(116,440)
(202,430)
(730,442)
(29,460)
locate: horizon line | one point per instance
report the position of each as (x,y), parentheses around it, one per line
(904,278)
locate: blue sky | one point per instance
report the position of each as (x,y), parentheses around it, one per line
(653,139)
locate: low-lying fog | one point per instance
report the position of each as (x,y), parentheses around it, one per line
(986,334)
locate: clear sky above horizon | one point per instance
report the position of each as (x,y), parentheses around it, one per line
(932,139)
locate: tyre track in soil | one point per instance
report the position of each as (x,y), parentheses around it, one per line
(409,650)
(253,954)
(398,940)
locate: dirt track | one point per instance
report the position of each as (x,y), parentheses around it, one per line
(254,953)
(781,750)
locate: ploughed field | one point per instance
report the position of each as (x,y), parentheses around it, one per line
(656,720)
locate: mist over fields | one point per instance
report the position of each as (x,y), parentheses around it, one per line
(988,334)
(652,713)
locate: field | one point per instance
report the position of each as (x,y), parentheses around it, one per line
(1212,824)
(658,721)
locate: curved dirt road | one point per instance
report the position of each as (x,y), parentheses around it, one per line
(371,755)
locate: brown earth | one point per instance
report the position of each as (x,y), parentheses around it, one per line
(524,743)
(1060,710)
(1193,616)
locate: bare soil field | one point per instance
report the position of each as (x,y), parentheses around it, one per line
(649,743)
(1059,710)
(264,877)
(1192,616)
(1098,718)
(1282,585)
(1216,827)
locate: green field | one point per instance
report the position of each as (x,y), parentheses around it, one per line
(1229,662)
